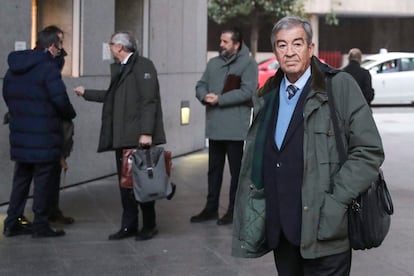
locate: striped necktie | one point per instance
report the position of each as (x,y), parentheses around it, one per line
(291,90)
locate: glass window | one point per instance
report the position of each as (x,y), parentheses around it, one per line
(129,15)
(407,64)
(59,13)
(389,66)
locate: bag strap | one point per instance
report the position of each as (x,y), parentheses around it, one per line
(148,158)
(339,145)
(64,166)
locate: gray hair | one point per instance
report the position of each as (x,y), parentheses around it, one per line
(126,39)
(290,22)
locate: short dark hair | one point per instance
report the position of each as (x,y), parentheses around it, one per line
(236,35)
(54,29)
(47,38)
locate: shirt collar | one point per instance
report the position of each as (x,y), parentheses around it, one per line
(301,82)
(125,61)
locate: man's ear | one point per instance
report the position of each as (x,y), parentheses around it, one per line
(238,45)
(50,47)
(311,49)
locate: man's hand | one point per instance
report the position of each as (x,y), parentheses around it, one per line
(211,99)
(145,141)
(80,90)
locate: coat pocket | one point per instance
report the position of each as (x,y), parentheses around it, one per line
(325,142)
(253,220)
(333,220)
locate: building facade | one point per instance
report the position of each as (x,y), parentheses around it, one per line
(369,25)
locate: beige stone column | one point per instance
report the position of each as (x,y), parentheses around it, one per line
(314,20)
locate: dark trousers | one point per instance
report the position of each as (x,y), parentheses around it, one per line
(217,152)
(42,175)
(289,262)
(54,199)
(130,205)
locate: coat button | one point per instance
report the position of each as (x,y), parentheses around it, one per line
(306,208)
(278,165)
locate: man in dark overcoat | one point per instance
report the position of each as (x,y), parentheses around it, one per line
(131,117)
(361,75)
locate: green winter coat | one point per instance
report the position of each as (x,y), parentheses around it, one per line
(230,118)
(324,215)
(131,106)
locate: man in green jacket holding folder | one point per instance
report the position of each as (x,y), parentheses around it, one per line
(226,89)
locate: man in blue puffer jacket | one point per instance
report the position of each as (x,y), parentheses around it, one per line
(37,102)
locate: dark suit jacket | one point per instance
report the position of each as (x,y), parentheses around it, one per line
(363,78)
(283,176)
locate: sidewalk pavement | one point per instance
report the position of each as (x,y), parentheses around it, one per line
(182,248)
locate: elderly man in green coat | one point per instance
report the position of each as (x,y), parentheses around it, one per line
(284,202)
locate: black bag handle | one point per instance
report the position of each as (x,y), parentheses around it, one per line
(148,158)
(386,196)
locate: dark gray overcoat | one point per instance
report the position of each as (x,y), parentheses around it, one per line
(131,106)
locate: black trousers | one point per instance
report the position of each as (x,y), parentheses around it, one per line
(54,200)
(289,262)
(42,175)
(217,152)
(130,205)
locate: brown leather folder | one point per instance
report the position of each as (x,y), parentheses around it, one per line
(232,82)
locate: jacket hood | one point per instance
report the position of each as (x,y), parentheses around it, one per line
(23,61)
(245,51)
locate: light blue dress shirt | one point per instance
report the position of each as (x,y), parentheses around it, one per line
(286,106)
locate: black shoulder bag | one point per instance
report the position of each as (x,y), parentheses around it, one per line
(369,215)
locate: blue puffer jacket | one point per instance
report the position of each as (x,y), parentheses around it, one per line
(37,101)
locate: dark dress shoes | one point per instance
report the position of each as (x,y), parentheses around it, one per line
(23,221)
(15,230)
(123,233)
(226,219)
(22,227)
(146,234)
(48,233)
(205,215)
(58,217)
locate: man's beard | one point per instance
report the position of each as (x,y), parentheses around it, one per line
(225,53)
